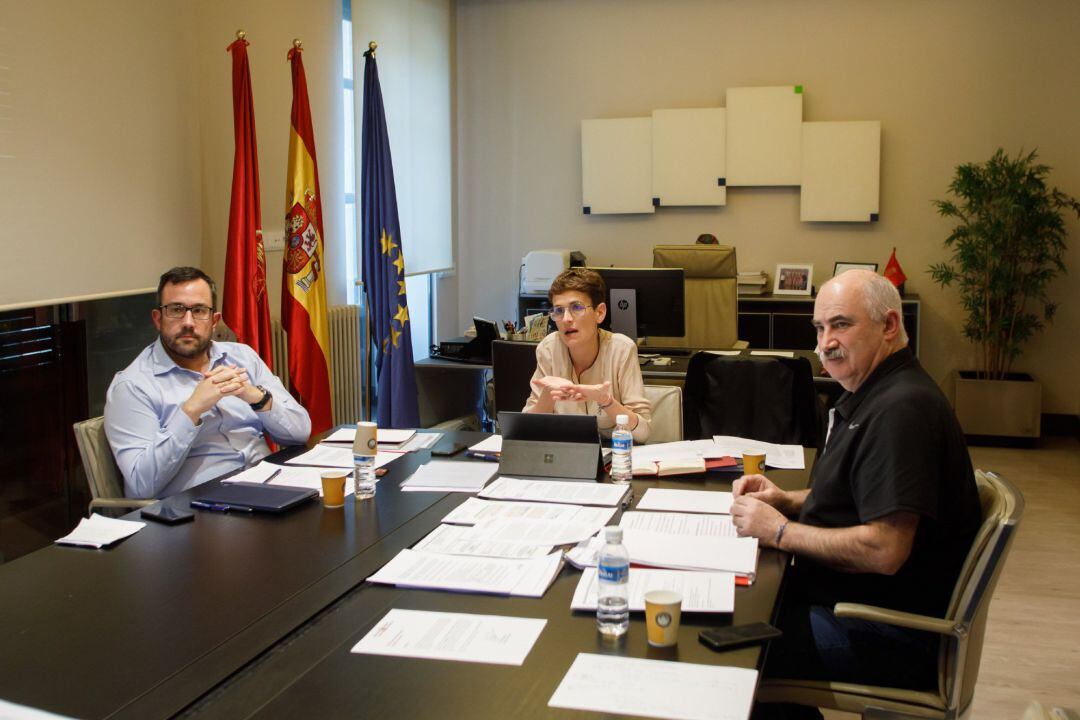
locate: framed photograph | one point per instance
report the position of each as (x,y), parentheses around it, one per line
(842,266)
(793,279)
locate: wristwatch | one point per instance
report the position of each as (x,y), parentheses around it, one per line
(257,406)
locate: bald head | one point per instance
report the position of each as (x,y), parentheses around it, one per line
(876,295)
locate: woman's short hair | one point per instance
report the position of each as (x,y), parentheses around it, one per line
(582,280)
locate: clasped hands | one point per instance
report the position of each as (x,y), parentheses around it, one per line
(561,389)
(223,381)
(758,508)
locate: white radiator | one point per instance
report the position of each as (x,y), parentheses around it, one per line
(345,361)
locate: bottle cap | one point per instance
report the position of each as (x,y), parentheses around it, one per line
(622,419)
(613,534)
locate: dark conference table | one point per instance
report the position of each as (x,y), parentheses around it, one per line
(238,615)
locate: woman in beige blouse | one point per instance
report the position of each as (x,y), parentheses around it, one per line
(582,369)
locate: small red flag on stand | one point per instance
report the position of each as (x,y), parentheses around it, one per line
(893,271)
(243,302)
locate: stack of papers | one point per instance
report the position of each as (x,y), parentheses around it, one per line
(556,491)
(97,531)
(463,637)
(338,456)
(682,457)
(457,540)
(689,501)
(386,436)
(419,569)
(475,510)
(701,591)
(753,282)
(541,532)
(656,688)
(449,476)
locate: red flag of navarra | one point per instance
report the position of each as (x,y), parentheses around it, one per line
(893,271)
(244,302)
(303,286)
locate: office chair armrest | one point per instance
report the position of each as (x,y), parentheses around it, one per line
(898,618)
(119,503)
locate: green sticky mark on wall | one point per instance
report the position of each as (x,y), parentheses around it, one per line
(798,89)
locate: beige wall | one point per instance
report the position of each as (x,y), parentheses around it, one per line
(949,81)
(271,26)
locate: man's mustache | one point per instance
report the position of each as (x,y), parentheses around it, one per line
(836,353)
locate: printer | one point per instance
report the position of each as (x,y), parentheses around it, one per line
(540,267)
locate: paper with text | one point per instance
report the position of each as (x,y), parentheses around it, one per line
(455,540)
(335,456)
(555,491)
(452,636)
(474,510)
(787,457)
(450,476)
(691,501)
(415,568)
(656,688)
(686,524)
(98,531)
(701,591)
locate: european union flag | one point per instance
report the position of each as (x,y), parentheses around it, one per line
(384,265)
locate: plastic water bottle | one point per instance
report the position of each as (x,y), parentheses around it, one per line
(613,585)
(622,442)
(364,448)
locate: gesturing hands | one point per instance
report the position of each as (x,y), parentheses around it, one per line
(223,381)
(561,389)
(757,509)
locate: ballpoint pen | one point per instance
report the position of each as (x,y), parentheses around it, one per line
(272,476)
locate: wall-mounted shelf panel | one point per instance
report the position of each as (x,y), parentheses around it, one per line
(616,166)
(841,171)
(764,134)
(688,158)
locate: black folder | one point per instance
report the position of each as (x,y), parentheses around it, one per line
(256,496)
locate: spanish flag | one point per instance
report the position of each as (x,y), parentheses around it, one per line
(303,285)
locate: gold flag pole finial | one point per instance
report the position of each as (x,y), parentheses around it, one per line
(372,45)
(297,44)
(240,34)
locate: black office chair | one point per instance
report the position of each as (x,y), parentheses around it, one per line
(771,399)
(512,367)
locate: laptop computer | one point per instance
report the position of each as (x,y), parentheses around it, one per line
(247,497)
(550,446)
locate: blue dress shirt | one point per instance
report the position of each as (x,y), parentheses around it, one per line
(161,452)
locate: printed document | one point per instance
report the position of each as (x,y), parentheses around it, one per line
(491,444)
(287,475)
(544,532)
(701,591)
(786,457)
(454,540)
(98,531)
(656,688)
(474,510)
(338,456)
(688,524)
(386,436)
(415,568)
(692,501)
(463,637)
(450,476)
(556,491)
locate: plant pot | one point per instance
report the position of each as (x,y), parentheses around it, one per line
(1009,408)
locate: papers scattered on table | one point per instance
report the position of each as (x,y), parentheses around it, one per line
(287,475)
(788,457)
(694,501)
(449,476)
(419,441)
(542,532)
(338,456)
(701,591)
(452,636)
(658,452)
(386,436)
(12,711)
(555,491)
(491,444)
(475,510)
(688,465)
(98,531)
(682,524)
(677,552)
(773,353)
(656,688)
(456,540)
(418,569)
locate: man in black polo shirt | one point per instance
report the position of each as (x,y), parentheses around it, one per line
(891,511)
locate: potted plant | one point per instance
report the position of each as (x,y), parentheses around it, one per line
(1007,249)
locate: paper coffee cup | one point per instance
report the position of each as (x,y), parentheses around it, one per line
(663,610)
(367,440)
(333,488)
(753,464)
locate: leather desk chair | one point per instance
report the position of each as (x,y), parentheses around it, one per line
(512,366)
(961,629)
(771,399)
(711,286)
(667,413)
(102,475)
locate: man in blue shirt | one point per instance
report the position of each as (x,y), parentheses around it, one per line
(189,409)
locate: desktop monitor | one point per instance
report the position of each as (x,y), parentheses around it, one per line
(644,302)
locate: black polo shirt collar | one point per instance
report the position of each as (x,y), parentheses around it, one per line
(849,402)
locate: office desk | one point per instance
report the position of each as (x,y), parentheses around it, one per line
(145,628)
(248,615)
(313,673)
